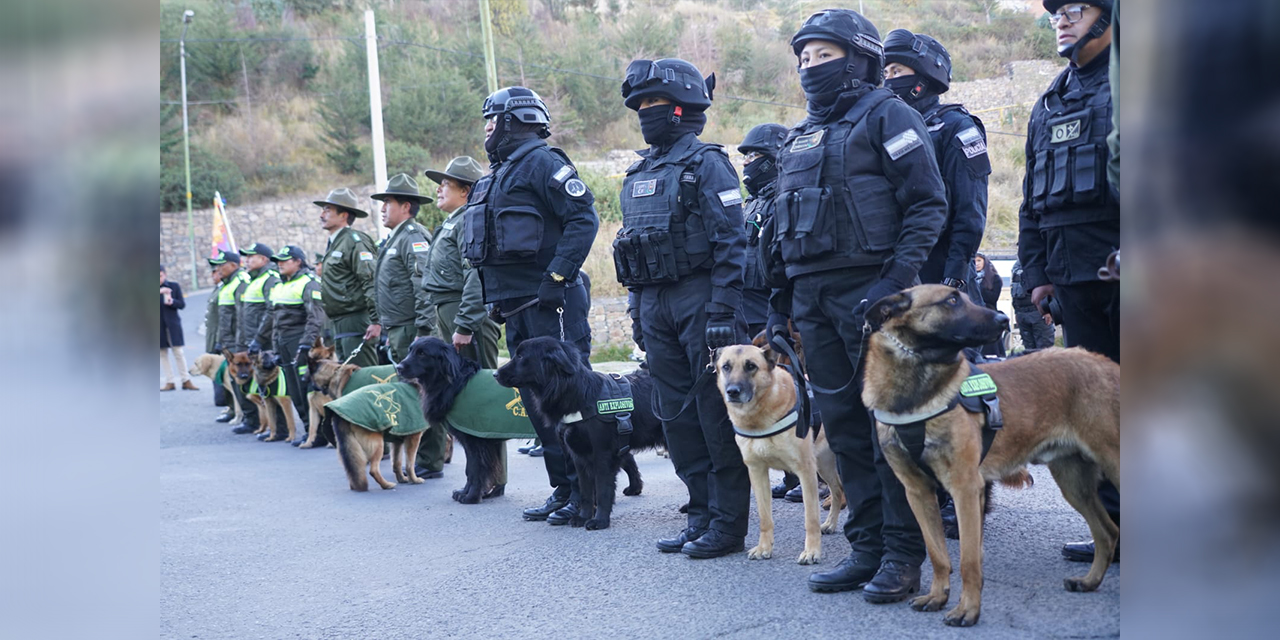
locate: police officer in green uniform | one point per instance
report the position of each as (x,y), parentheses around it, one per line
(350,299)
(231,337)
(403,309)
(454,291)
(254,302)
(296,319)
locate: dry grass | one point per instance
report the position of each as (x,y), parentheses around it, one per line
(599,264)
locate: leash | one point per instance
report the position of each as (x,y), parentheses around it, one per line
(516,311)
(708,374)
(354,352)
(804,384)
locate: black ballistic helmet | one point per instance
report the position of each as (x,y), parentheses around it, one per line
(848,29)
(1052,6)
(922,53)
(522,104)
(671,78)
(1072,51)
(764,138)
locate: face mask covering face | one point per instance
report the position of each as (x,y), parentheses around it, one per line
(821,83)
(759,174)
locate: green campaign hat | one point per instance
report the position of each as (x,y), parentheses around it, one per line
(402,187)
(464,169)
(344,198)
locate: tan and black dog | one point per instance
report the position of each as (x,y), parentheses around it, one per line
(1059,407)
(207,365)
(761,399)
(270,394)
(330,377)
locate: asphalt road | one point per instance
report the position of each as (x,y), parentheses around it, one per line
(262,540)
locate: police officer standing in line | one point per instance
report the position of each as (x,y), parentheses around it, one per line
(453,290)
(292,326)
(211,342)
(530,225)
(1070,220)
(348,284)
(232,338)
(1036,330)
(918,70)
(254,307)
(682,204)
(403,311)
(860,205)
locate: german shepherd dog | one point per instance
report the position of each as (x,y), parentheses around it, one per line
(207,365)
(266,373)
(326,378)
(360,449)
(759,393)
(440,375)
(559,385)
(240,367)
(1061,407)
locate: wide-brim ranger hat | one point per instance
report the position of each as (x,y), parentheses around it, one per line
(464,169)
(344,198)
(290,252)
(402,187)
(257,249)
(222,257)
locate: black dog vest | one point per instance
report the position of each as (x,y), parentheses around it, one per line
(615,404)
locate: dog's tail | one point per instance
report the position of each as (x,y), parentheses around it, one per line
(351,451)
(483,455)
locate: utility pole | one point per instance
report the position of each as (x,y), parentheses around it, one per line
(375,110)
(186,143)
(486,30)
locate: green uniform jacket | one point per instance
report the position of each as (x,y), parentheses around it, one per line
(289,322)
(447,277)
(230,327)
(401,299)
(256,303)
(211,319)
(348,275)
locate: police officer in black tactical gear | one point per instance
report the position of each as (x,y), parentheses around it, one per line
(1035,329)
(918,70)
(1070,218)
(681,253)
(860,203)
(530,225)
(759,174)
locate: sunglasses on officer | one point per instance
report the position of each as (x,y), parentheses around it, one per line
(1072,14)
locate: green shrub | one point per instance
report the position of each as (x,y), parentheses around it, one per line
(209,173)
(606,190)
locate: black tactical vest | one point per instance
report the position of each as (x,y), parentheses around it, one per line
(834,200)
(1067,155)
(662,238)
(506,227)
(757,211)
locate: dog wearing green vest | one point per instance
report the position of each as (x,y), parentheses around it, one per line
(941,420)
(268,392)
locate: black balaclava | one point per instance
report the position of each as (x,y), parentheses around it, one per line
(834,84)
(912,89)
(758,174)
(509,134)
(663,124)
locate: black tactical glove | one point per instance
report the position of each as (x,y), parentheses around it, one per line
(303,352)
(881,289)
(720,330)
(495,314)
(254,347)
(217,347)
(777,326)
(637,335)
(551,294)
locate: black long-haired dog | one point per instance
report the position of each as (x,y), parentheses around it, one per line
(558,384)
(440,374)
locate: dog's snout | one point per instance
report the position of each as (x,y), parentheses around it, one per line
(1001,319)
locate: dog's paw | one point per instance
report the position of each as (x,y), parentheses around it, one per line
(416,480)
(388,486)
(831,527)
(930,602)
(633,490)
(596,524)
(760,552)
(306,445)
(577,521)
(457,495)
(1078,585)
(809,557)
(961,616)
(469,497)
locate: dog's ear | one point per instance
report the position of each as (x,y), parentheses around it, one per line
(565,358)
(339,381)
(770,357)
(888,308)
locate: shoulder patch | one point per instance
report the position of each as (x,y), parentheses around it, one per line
(337,254)
(562,174)
(974,150)
(315,295)
(937,127)
(575,188)
(419,247)
(730,197)
(688,176)
(365,255)
(808,141)
(391,252)
(902,144)
(969,136)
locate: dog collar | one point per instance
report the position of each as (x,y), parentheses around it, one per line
(785,423)
(571,418)
(898,343)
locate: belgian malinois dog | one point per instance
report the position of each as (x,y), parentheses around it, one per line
(761,397)
(1060,407)
(330,377)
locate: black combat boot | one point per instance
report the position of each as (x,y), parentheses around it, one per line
(850,574)
(896,581)
(713,544)
(674,545)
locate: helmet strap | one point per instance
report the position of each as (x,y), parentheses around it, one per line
(1072,51)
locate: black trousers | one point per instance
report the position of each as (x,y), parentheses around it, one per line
(538,321)
(880,525)
(241,392)
(700,440)
(1091,319)
(288,348)
(1035,333)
